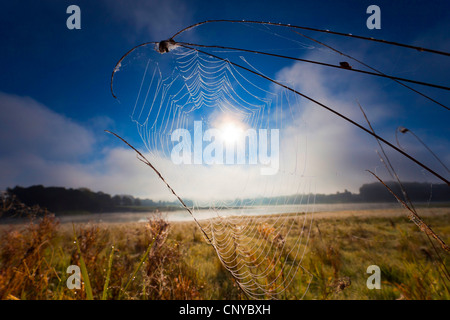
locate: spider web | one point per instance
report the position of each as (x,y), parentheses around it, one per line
(258,224)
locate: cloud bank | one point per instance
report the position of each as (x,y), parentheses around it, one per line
(339,154)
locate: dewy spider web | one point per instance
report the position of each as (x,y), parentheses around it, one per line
(185,87)
(263,252)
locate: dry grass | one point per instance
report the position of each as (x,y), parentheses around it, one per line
(179,264)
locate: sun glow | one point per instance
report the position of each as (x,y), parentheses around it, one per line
(231,132)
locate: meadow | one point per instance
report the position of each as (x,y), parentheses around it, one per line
(162,260)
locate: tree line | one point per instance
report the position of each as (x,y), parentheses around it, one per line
(368,193)
(61,200)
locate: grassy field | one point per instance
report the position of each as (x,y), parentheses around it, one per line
(161,260)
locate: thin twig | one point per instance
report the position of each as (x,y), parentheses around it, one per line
(143,159)
(371,68)
(147,162)
(378,74)
(116,67)
(389,165)
(420,49)
(405,130)
(415,218)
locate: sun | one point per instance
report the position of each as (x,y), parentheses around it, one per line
(231,132)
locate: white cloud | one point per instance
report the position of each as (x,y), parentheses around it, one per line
(28,127)
(339,153)
(159,19)
(40,146)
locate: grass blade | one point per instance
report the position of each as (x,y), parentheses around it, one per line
(138,267)
(84,272)
(108,274)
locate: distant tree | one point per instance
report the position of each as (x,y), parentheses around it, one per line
(137,202)
(148,202)
(117,200)
(127,201)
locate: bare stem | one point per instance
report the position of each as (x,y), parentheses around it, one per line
(415,218)
(142,158)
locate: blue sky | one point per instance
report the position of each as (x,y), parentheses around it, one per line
(55,98)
